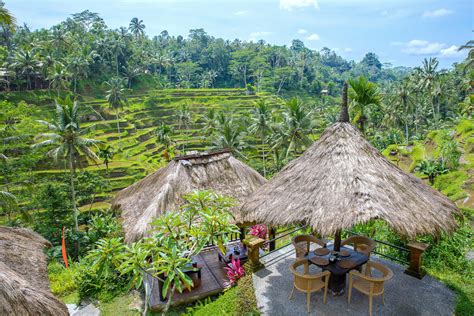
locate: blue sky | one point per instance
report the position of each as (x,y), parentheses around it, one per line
(401,32)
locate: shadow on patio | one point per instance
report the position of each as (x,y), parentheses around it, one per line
(404,295)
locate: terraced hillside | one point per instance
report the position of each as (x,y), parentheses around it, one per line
(137,152)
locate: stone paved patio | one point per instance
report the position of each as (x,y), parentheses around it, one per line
(404,295)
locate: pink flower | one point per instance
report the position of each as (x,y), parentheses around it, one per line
(259,231)
(235,271)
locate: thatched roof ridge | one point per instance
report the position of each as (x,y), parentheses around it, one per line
(24,284)
(164,189)
(341,180)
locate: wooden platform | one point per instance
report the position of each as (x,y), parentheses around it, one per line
(213,281)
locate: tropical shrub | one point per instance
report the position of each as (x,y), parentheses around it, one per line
(259,231)
(432,168)
(234,271)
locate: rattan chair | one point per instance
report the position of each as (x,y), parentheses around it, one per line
(302,244)
(361,244)
(308,283)
(367,284)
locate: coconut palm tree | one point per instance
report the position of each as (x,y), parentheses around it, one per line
(184,119)
(67,139)
(6,18)
(163,135)
(25,63)
(428,75)
(230,136)
(58,78)
(404,100)
(363,94)
(210,121)
(106,154)
(260,125)
(116,98)
(137,28)
(297,125)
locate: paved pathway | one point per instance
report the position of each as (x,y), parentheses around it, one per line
(404,295)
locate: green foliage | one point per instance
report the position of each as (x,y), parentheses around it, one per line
(62,280)
(452,184)
(225,304)
(99,275)
(432,168)
(246,302)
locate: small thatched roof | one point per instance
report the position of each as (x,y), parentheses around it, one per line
(164,189)
(340,181)
(24,284)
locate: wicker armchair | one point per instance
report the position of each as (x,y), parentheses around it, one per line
(308,283)
(367,284)
(361,244)
(302,244)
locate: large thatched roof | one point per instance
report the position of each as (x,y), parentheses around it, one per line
(341,180)
(24,284)
(163,190)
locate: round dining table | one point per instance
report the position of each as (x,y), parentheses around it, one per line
(339,267)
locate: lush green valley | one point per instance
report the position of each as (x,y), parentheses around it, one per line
(87,110)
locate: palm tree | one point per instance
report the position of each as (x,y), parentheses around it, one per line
(163,135)
(210,121)
(470,56)
(130,73)
(260,125)
(297,125)
(7,199)
(106,154)
(137,28)
(230,136)
(184,119)
(363,94)
(404,100)
(25,63)
(58,78)
(116,98)
(428,75)
(6,17)
(66,135)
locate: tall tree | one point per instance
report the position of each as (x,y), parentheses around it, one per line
(137,28)
(116,98)
(363,94)
(428,75)
(66,136)
(260,126)
(184,119)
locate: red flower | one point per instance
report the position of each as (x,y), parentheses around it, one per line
(235,271)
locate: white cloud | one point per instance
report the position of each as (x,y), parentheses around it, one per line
(291,5)
(423,47)
(255,36)
(313,37)
(348,50)
(437,13)
(243,12)
(452,51)
(302,31)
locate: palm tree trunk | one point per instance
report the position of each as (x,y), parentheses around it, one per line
(263,157)
(72,171)
(75,84)
(118,125)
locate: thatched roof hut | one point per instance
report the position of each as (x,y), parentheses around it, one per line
(340,181)
(24,284)
(164,189)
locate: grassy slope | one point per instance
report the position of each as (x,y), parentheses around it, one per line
(137,152)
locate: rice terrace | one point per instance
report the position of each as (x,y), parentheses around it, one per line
(290,157)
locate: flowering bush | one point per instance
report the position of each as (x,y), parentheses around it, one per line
(259,231)
(235,271)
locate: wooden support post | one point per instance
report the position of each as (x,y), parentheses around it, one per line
(271,236)
(254,244)
(242,233)
(416,252)
(337,241)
